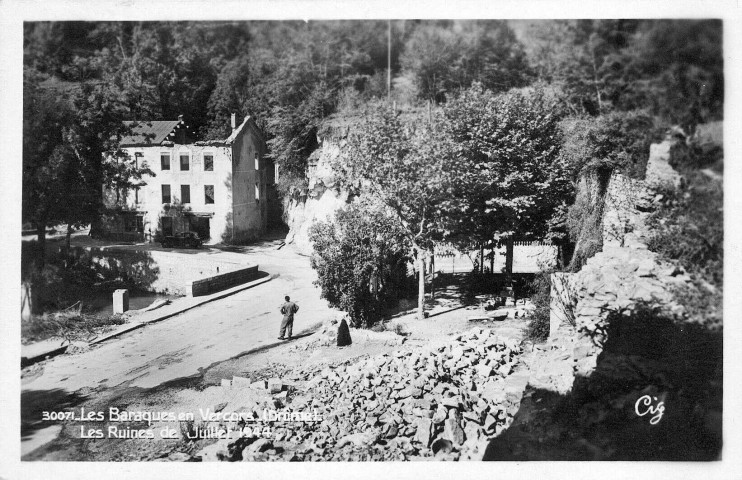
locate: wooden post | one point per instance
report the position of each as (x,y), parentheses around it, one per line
(509,252)
(432,278)
(421,287)
(481,258)
(389,59)
(492,258)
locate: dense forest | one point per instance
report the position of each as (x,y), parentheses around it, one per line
(505,114)
(291,75)
(81,79)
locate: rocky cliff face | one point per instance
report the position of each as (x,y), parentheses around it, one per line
(619,341)
(320,202)
(625,273)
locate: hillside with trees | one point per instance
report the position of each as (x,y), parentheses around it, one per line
(506,114)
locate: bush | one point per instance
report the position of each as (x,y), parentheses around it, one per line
(538,326)
(703,304)
(688,157)
(70,325)
(618,140)
(688,228)
(362,243)
(585,217)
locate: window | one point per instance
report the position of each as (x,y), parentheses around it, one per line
(136,195)
(185,162)
(166,194)
(257,162)
(185,194)
(130,223)
(257,192)
(208,162)
(209,194)
(165,161)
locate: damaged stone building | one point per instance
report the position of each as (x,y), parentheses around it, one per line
(224,190)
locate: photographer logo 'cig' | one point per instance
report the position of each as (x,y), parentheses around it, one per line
(645,406)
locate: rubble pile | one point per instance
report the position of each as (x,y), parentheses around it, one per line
(444,400)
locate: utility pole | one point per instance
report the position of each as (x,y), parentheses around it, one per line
(389,59)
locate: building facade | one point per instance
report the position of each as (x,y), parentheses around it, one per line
(220,189)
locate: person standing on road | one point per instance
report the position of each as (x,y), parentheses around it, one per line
(288,310)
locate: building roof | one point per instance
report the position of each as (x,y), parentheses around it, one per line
(146,132)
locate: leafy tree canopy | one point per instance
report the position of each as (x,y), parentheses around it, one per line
(361,261)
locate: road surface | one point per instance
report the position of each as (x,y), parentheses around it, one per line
(185,345)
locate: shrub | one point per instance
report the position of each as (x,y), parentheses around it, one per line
(686,157)
(362,243)
(585,217)
(618,140)
(703,304)
(595,148)
(688,228)
(538,326)
(70,325)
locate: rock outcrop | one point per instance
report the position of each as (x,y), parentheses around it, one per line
(322,198)
(625,273)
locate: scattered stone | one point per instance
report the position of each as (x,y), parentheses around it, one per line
(441,446)
(424,431)
(180,457)
(452,430)
(357,439)
(259,385)
(238,382)
(260,445)
(275,385)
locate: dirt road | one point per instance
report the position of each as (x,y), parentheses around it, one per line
(184,345)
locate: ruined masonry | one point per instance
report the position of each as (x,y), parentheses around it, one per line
(624,274)
(446,399)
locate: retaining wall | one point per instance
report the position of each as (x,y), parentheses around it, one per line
(204,286)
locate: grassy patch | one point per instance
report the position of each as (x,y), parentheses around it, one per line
(69,325)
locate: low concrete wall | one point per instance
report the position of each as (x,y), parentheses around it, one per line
(204,286)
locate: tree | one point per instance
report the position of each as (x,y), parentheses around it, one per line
(679,71)
(673,67)
(512,181)
(411,169)
(445,57)
(360,260)
(617,141)
(580,55)
(71,151)
(44,162)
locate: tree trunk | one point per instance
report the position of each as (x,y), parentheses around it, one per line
(481,258)
(40,245)
(421,286)
(67,245)
(492,259)
(509,254)
(432,278)
(509,251)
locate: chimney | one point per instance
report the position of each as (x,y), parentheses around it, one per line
(234,121)
(180,118)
